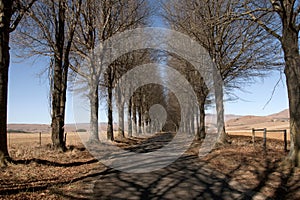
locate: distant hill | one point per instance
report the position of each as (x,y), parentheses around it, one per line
(231,116)
(46,128)
(285,114)
(227,117)
(276,121)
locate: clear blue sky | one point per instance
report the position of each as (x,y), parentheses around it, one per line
(28,94)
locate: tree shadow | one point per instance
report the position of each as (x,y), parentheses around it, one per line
(153,143)
(186,178)
(48,185)
(52,163)
(189,177)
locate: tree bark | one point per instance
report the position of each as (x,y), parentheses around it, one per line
(197,125)
(193,120)
(129,118)
(201,129)
(292,72)
(222,135)
(110,133)
(134,118)
(121,133)
(59,83)
(58,108)
(140,120)
(5,15)
(94,101)
(202,133)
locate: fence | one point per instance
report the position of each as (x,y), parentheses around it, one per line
(265,137)
(39,139)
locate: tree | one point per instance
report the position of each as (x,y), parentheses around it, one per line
(50,31)
(11,13)
(281,19)
(95,18)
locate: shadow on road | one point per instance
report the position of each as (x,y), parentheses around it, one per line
(189,177)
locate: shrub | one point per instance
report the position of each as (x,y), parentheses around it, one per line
(16,131)
(81,130)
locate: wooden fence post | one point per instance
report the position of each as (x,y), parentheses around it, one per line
(265,139)
(285,140)
(40,138)
(65,139)
(253,136)
(9,144)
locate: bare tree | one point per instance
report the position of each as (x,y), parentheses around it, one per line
(11,13)
(280,19)
(49,31)
(89,36)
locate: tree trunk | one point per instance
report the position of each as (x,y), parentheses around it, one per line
(59,83)
(120,103)
(121,133)
(135,131)
(63,96)
(193,120)
(197,125)
(150,128)
(140,120)
(58,108)
(222,135)
(292,72)
(129,118)
(202,132)
(146,122)
(94,101)
(147,127)
(110,133)
(143,125)
(5,15)
(188,123)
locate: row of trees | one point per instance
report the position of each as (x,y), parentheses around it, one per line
(243,37)
(88,25)
(67,32)
(238,48)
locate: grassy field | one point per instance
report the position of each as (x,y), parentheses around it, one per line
(36,140)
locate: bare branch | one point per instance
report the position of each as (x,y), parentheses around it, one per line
(263,25)
(273,91)
(22,10)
